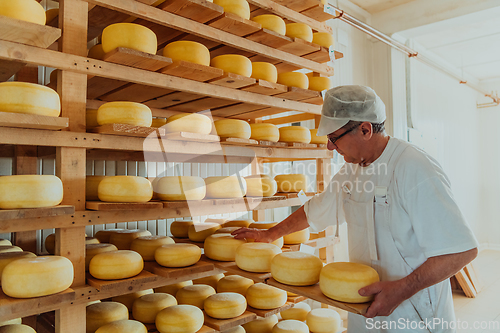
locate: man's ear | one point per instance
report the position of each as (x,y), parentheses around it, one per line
(366,129)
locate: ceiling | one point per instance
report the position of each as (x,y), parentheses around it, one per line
(374,6)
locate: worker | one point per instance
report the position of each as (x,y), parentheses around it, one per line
(401,216)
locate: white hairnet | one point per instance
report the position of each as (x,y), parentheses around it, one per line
(344,103)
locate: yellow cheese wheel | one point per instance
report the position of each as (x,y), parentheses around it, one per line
(129,35)
(180,229)
(5,242)
(30,191)
(90,115)
(50,243)
(96,52)
(297,237)
(222,247)
(104,235)
(324,39)
(264,71)
(342,280)
(298,134)
(233,63)
(289,294)
(179,319)
(266,132)
(91,186)
(24,10)
(100,314)
(296,268)
(172,289)
(194,295)
(16,328)
(130,113)
(225,305)
(177,255)
(261,186)
(91,240)
(256,257)
(218,221)
(92,249)
(298,312)
(233,128)
(271,22)
(225,187)
(198,232)
(122,239)
(237,223)
(128,299)
(238,7)
(299,30)
(237,329)
(158,122)
(291,183)
(175,188)
(147,245)
(51,14)
(261,325)
(294,79)
(323,321)
(290,326)
(115,265)
(211,280)
(8,257)
(226,230)
(11,322)
(35,277)
(189,122)
(22,97)
(123,326)
(234,284)
(10,249)
(146,307)
(265,297)
(266,225)
(319,83)
(318,139)
(125,189)
(187,51)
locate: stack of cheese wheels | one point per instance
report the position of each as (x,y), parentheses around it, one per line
(21,97)
(177,255)
(267,225)
(16,328)
(128,299)
(115,265)
(226,230)
(105,235)
(147,245)
(180,319)
(198,232)
(184,50)
(176,188)
(225,305)
(265,297)
(296,268)
(24,10)
(297,237)
(10,248)
(264,71)
(342,280)
(91,186)
(238,223)
(225,187)
(129,35)
(222,247)
(96,52)
(122,239)
(123,326)
(237,7)
(158,122)
(319,83)
(261,186)
(293,79)
(189,122)
(146,307)
(172,289)
(125,189)
(233,63)
(130,113)
(266,132)
(323,321)
(318,139)
(100,314)
(234,284)
(91,118)
(8,257)
(271,22)
(291,183)
(211,280)
(35,277)
(93,249)
(194,295)
(256,257)
(30,191)
(298,134)
(298,312)
(180,229)
(261,325)
(290,326)
(324,39)
(299,30)
(233,128)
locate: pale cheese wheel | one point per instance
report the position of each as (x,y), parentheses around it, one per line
(198,232)
(24,10)
(180,319)
(225,305)
(104,235)
(10,249)
(158,122)
(123,239)
(147,245)
(261,186)
(237,223)
(227,230)
(233,63)
(5,242)
(96,52)
(128,299)
(100,314)
(266,225)
(218,221)
(296,268)
(265,297)
(180,229)
(261,325)
(256,257)
(225,187)
(221,247)
(146,307)
(324,39)
(324,321)
(271,22)
(318,139)
(291,183)
(177,255)
(50,243)
(233,128)
(264,71)
(10,322)
(294,79)
(189,122)
(298,312)
(290,326)
(237,7)
(16,328)
(91,186)
(172,289)
(123,326)
(8,257)
(211,280)
(176,188)
(299,30)
(266,132)
(22,97)
(90,115)
(91,240)
(298,134)
(234,284)
(187,51)
(115,265)
(129,113)
(194,295)
(129,35)
(93,249)
(297,237)
(35,277)
(125,189)
(319,83)
(30,191)
(341,281)
(237,329)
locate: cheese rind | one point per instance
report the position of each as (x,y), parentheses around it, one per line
(266,132)
(294,79)
(100,314)
(115,265)
(299,30)
(233,63)
(146,307)
(261,325)
(179,319)
(147,245)
(324,39)
(225,305)
(123,326)
(261,186)
(222,247)
(234,284)
(30,98)
(91,186)
(296,268)
(264,71)
(8,257)
(271,22)
(123,239)
(291,183)
(177,188)
(290,326)
(24,10)
(323,321)
(129,35)
(96,52)
(256,257)
(187,51)
(298,312)
(172,289)
(319,83)
(233,128)
(180,229)
(93,249)
(130,113)
(30,191)
(125,189)
(128,299)
(225,187)
(16,328)
(298,134)
(189,122)
(265,297)
(297,237)
(318,139)
(177,255)
(194,295)
(211,280)
(198,232)
(237,7)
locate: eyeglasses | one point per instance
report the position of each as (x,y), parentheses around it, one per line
(333,141)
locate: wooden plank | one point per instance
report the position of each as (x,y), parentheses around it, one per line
(257,277)
(204,329)
(296,299)
(137,59)
(135,93)
(192,71)
(201,245)
(318,100)
(298,94)
(465,284)
(235,109)
(231,80)
(193,270)
(258,113)
(300,47)
(289,119)
(302,145)
(266,88)
(267,313)
(98,86)
(9,68)
(200,39)
(270,38)
(24,120)
(225,324)
(172,99)
(127,130)
(186,136)
(238,141)
(163,34)
(224,49)
(319,13)
(197,10)
(202,104)
(298,5)
(235,24)
(107,285)
(322,55)
(272,144)
(33,213)
(474,279)
(290,195)
(98,205)
(28,33)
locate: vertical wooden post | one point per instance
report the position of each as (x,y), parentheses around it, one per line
(257,168)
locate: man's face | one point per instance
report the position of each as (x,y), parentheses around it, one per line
(346,142)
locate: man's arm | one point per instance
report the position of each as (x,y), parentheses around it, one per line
(390,294)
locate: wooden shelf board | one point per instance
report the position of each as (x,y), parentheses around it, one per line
(318,100)
(238,141)
(137,59)
(236,109)
(300,47)
(218,264)
(234,24)
(298,94)
(127,130)
(272,144)
(322,55)
(293,194)
(231,80)
(138,93)
(298,5)
(319,13)
(270,312)
(188,241)
(106,285)
(196,10)
(224,49)
(192,71)
(9,68)
(172,99)
(225,324)
(187,136)
(257,277)
(266,88)
(202,104)
(204,329)
(98,86)
(301,145)
(99,205)
(296,299)
(28,33)
(33,213)
(270,38)
(24,120)
(171,273)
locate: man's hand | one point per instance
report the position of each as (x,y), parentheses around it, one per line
(388,296)
(259,235)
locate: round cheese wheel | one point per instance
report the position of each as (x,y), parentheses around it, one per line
(146,307)
(222,247)
(91,186)
(237,223)
(8,257)
(261,186)
(261,325)
(123,239)
(237,329)
(158,122)
(290,326)
(50,243)
(30,191)
(180,229)
(289,294)
(323,321)
(130,113)
(91,240)
(187,51)
(16,328)
(299,30)
(147,245)
(123,326)
(104,235)
(233,63)
(100,314)
(297,237)
(35,277)
(24,10)
(291,183)
(296,268)
(211,280)
(256,257)
(115,265)
(12,321)
(172,289)
(225,187)
(265,297)
(128,299)
(295,134)
(266,225)
(180,319)
(234,284)
(22,97)
(293,79)
(233,128)
(90,116)
(189,122)
(264,71)
(298,312)
(129,35)
(226,230)
(342,280)
(319,83)
(198,232)
(175,188)
(177,255)
(5,242)
(10,248)
(266,132)
(225,305)
(318,139)
(92,249)
(271,22)
(194,295)
(324,39)
(96,52)
(125,189)
(238,7)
